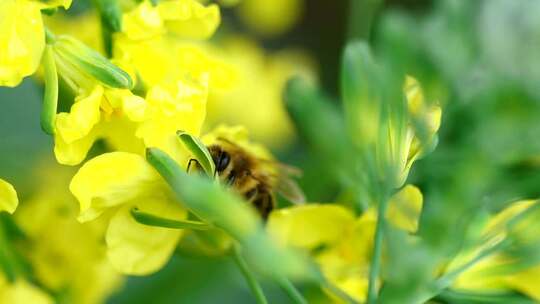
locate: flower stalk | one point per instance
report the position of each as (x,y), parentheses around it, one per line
(254,286)
(50,98)
(111,21)
(156,221)
(374,269)
(291,291)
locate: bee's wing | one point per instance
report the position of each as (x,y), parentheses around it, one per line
(290,190)
(283,169)
(286,186)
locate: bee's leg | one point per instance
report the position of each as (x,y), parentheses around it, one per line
(189,164)
(217,163)
(251,194)
(231,179)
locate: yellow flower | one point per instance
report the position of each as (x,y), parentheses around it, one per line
(255,97)
(346,241)
(8,197)
(65,255)
(391,133)
(100,113)
(128,122)
(428,116)
(185,18)
(157,44)
(271,18)
(22,39)
(112,184)
(22,292)
(403,145)
(502,270)
(164,59)
(180,106)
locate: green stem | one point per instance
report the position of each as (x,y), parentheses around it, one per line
(111,22)
(50,96)
(361,15)
(453,296)
(377,250)
(50,37)
(153,220)
(291,291)
(248,275)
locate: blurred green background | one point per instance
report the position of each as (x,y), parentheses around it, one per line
(487,155)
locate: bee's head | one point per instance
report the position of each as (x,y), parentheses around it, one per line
(220,157)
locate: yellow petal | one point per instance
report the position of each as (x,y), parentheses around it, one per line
(271,17)
(8,197)
(483,276)
(527,282)
(346,264)
(257,73)
(310,226)
(202,59)
(415,96)
(22,292)
(429,115)
(112,179)
(405,207)
(133,55)
(75,152)
(133,106)
(143,22)
(22,40)
(83,116)
(181,106)
(355,287)
(500,221)
(189,18)
(137,249)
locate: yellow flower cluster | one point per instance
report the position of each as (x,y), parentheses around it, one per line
(8,197)
(347,240)
(65,256)
(256,93)
(23,38)
(517,223)
(165,79)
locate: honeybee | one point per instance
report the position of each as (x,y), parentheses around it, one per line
(254,178)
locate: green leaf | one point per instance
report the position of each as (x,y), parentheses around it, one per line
(360,90)
(199,151)
(157,221)
(111,14)
(93,63)
(321,124)
(50,98)
(49,11)
(111,21)
(458,297)
(316,119)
